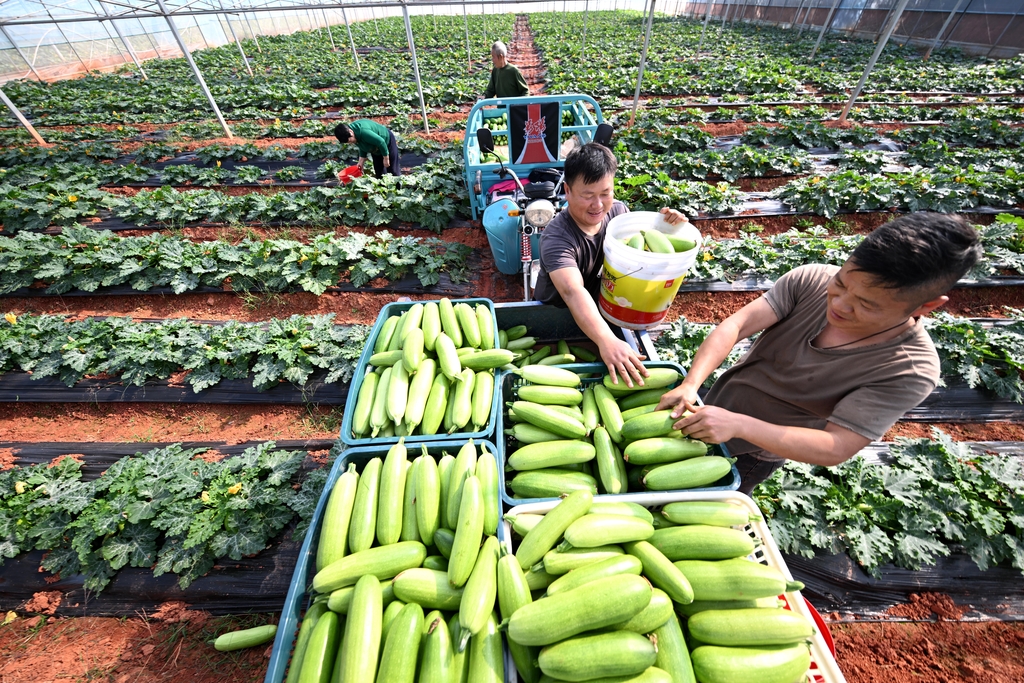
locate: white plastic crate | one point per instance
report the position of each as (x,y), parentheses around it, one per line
(824,668)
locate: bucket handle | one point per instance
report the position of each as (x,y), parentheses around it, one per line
(604,274)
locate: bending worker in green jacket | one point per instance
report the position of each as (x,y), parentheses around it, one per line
(374,141)
(506,79)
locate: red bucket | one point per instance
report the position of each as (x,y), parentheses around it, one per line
(347,174)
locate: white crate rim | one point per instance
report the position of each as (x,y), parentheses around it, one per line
(824,668)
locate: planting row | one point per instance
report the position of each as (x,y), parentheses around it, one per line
(83,259)
(744,59)
(166,509)
(296,75)
(279,350)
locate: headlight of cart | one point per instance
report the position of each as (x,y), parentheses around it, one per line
(540,212)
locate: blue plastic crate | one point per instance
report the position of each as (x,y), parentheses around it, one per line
(298,598)
(395,309)
(507,444)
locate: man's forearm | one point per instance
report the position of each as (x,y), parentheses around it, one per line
(812,446)
(584,312)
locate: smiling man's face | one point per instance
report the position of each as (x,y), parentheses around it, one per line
(589,203)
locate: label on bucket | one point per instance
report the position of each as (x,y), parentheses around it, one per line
(632,301)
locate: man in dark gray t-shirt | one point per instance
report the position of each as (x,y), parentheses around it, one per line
(572,253)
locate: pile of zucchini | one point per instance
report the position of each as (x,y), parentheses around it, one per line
(612,586)
(561,430)
(406,574)
(658,242)
(432,370)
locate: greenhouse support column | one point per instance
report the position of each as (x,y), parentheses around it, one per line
(234,36)
(124,40)
(643,63)
(327,25)
(469,56)
(893,20)
(561,35)
(1003,33)
(885,24)
(825,25)
(796,16)
(945,25)
(803,22)
(373,14)
(18,49)
(195,69)
(586,12)
(201,34)
(415,66)
(738,14)
(707,18)
(67,40)
(483,7)
(251,32)
(725,15)
(351,42)
(21,118)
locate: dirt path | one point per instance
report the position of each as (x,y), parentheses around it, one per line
(523,53)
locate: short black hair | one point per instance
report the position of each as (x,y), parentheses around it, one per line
(589,164)
(926,252)
(342,132)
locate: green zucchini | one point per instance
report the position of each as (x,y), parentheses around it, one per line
(250,637)
(318,659)
(591,530)
(427,587)
(544,536)
(750,627)
(738,579)
(383,562)
(702,542)
(673,655)
(714,664)
(398,662)
(360,647)
(620,653)
(709,512)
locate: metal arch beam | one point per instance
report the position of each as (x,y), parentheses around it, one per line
(643,63)
(825,25)
(68,41)
(124,40)
(327,25)
(23,55)
(195,71)
(415,67)
(703,32)
(234,36)
(945,25)
(256,40)
(21,118)
(352,42)
(1003,32)
(886,33)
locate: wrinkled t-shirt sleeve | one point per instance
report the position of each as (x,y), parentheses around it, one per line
(791,288)
(558,251)
(872,410)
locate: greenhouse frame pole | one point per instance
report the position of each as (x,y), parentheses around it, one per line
(21,118)
(825,25)
(234,36)
(739,13)
(67,40)
(803,22)
(373,14)
(327,25)
(586,16)
(796,16)
(483,12)
(351,42)
(23,56)
(1003,33)
(643,63)
(893,20)
(245,16)
(945,25)
(469,56)
(725,16)
(195,69)
(127,45)
(700,44)
(415,65)
(885,24)
(561,35)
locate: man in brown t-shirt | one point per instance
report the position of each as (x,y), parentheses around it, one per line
(572,253)
(842,357)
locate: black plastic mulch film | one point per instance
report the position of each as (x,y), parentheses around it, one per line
(254,584)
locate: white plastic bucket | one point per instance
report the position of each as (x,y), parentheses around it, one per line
(637,287)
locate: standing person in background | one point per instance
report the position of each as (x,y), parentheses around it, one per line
(374,141)
(506,79)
